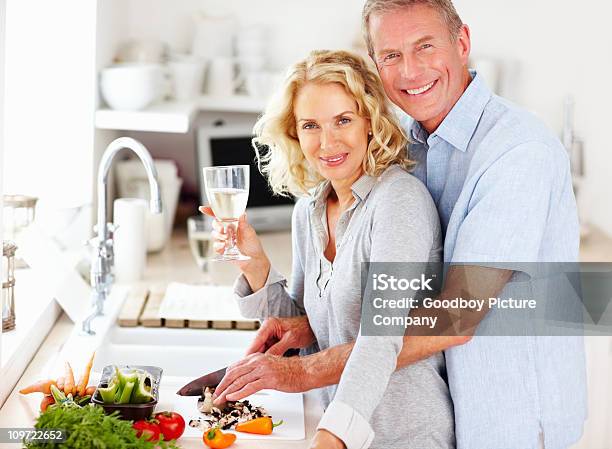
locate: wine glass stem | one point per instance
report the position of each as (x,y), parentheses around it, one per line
(231,230)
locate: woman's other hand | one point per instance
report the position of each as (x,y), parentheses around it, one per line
(255,269)
(326,440)
(277,335)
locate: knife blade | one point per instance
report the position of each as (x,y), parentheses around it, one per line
(195,387)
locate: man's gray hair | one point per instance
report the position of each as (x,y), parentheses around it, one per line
(445,8)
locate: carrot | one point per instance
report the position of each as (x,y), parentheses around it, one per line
(42,386)
(90,390)
(82,385)
(60,383)
(46,402)
(69,375)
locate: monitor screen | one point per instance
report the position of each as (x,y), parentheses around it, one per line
(238,151)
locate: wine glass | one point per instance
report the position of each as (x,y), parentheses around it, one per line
(198,234)
(227,189)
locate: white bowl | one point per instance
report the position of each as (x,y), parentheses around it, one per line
(132,87)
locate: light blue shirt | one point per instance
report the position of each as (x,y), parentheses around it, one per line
(502,186)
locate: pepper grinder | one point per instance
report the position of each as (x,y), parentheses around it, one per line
(8,285)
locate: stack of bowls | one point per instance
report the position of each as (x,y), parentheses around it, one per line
(132,86)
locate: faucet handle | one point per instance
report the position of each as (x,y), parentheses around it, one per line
(110,228)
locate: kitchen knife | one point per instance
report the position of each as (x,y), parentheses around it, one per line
(195,387)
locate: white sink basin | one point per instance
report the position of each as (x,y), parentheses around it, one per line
(179,352)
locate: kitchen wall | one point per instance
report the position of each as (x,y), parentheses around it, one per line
(554,48)
(49,110)
(112,26)
(547,49)
(295,28)
(49,80)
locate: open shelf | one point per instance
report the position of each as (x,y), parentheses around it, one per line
(174,116)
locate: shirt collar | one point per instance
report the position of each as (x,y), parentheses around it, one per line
(459,125)
(360,188)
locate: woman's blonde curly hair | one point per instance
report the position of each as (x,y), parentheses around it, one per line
(276,143)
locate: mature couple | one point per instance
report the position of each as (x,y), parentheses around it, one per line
(482,182)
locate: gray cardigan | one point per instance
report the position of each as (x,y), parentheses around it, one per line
(393,219)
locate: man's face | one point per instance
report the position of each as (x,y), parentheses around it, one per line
(423,70)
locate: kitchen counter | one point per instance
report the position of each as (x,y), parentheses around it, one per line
(596,246)
(173,264)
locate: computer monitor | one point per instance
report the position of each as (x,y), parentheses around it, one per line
(231,145)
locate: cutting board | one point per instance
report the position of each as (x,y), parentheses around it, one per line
(286,406)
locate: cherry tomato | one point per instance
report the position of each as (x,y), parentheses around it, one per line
(171,425)
(148,429)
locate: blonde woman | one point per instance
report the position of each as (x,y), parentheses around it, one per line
(332,140)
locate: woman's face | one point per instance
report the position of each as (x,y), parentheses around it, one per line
(333,136)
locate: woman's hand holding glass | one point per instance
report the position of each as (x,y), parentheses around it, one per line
(255,269)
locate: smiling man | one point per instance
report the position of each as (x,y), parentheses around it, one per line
(502,186)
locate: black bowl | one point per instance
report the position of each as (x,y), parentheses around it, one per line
(133,412)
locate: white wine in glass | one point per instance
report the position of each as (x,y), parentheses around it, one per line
(198,234)
(227,189)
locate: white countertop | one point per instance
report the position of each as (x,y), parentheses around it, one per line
(174,263)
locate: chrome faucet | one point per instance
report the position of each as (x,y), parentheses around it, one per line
(103,257)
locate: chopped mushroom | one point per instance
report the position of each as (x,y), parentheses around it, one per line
(205,403)
(226,416)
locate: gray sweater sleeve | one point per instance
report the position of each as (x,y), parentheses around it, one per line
(275,298)
(405,228)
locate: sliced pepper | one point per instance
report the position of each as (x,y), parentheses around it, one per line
(142,390)
(260,426)
(126,394)
(108,393)
(124,378)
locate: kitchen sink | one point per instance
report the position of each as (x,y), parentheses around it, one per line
(179,352)
(183,354)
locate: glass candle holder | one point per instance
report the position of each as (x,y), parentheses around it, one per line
(8,285)
(18,213)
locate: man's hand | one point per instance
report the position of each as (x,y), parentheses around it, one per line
(277,335)
(326,440)
(260,372)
